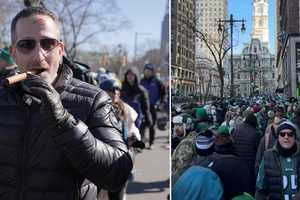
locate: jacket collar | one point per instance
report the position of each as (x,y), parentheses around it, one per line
(64,77)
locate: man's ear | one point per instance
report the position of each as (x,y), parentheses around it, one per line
(61,47)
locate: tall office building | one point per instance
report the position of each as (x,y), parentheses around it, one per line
(164,41)
(183,46)
(208,14)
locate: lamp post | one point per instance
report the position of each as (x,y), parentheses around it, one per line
(252,70)
(231,21)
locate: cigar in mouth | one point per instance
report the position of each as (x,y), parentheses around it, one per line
(20,77)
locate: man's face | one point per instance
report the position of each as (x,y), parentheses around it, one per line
(41,55)
(148,73)
(286,138)
(179,130)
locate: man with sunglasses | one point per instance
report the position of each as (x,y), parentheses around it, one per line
(279,171)
(59,137)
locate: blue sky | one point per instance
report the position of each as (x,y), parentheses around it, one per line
(243,9)
(145,18)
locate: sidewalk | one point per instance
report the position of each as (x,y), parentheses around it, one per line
(151,171)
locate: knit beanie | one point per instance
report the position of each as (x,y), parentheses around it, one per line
(286,125)
(149,66)
(4,55)
(204,140)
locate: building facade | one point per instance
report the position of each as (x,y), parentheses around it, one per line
(207,80)
(288,47)
(208,14)
(254,70)
(183,47)
(164,41)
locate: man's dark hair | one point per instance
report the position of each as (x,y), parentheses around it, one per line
(27,12)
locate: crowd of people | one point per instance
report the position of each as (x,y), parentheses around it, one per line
(251,145)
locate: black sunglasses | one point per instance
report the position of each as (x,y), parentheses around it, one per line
(290,134)
(27,45)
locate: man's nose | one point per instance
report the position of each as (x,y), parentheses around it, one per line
(39,53)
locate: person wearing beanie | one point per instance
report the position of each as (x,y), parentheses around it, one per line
(186,153)
(178,131)
(205,143)
(267,141)
(130,132)
(232,170)
(198,183)
(279,171)
(246,139)
(156,92)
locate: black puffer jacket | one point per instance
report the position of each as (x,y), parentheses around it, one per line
(36,163)
(246,140)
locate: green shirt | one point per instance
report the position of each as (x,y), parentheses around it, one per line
(289,177)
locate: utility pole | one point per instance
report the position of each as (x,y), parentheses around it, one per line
(231,21)
(136,43)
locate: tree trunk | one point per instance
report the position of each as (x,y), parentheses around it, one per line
(222,88)
(221,76)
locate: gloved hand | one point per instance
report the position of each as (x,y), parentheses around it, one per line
(52,110)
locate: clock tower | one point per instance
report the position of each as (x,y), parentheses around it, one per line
(260,21)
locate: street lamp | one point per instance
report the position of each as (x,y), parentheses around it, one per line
(231,21)
(252,70)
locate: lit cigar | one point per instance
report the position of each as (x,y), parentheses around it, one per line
(19,77)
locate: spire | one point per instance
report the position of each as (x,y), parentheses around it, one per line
(260,21)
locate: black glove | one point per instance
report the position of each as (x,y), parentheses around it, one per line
(52,110)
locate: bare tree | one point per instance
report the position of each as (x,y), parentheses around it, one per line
(116,60)
(7,10)
(218,49)
(83,20)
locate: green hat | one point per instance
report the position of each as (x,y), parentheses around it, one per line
(201,127)
(201,113)
(4,55)
(223,130)
(244,196)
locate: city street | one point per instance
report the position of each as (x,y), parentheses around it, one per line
(151,171)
